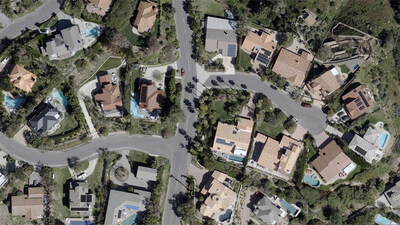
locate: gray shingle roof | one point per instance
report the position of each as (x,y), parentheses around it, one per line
(393,195)
(268,212)
(46,117)
(146,173)
(365,149)
(64,44)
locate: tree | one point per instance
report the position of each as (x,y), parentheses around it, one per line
(115,41)
(310,194)
(153,44)
(120,13)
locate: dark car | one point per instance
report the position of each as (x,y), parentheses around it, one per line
(306,105)
(340,113)
(182,72)
(273,87)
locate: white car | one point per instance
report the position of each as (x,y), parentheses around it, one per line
(4,61)
(82,176)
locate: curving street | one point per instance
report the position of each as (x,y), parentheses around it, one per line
(174,148)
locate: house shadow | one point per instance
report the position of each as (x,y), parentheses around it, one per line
(63,23)
(254,198)
(205,178)
(65,199)
(325,143)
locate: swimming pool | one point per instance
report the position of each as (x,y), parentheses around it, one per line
(383,221)
(130,220)
(311,180)
(291,209)
(236,158)
(61,97)
(13,103)
(135,109)
(90,32)
(383,138)
(225,216)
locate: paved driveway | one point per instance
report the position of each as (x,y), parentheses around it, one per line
(86,91)
(41,14)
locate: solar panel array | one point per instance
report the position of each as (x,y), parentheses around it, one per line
(360,150)
(262,58)
(143,94)
(363,98)
(231,50)
(222,141)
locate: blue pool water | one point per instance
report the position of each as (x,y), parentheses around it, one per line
(132,207)
(383,138)
(309,179)
(236,158)
(225,216)
(90,32)
(13,103)
(355,66)
(130,220)
(383,221)
(60,96)
(135,109)
(288,206)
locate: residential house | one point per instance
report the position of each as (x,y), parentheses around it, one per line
(262,44)
(63,45)
(44,119)
(99,7)
(325,84)
(332,163)
(219,197)
(29,206)
(365,149)
(146,16)
(150,97)
(357,102)
(232,142)
(80,200)
(221,36)
(276,156)
(109,99)
(309,17)
(146,173)
(3,180)
(391,197)
(269,213)
(122,205)
(377,136)
(22,78)
(292,66)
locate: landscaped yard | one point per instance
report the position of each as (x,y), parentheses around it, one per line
(244,61)
(344,68)
(134,39)
(81,166)
(211,7)
(61,175)
(138,156)
(67,124)
(269,130)
(219,107)
(111,63)
(94,180)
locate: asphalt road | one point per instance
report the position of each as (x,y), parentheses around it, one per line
(174,148)
(312,119)
(41,14)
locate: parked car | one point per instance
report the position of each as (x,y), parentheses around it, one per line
(182,72)
(340,113)
(82,176)
(306,105)
(273,87)
(4,61)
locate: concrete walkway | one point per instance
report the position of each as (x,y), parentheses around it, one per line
(91,167)
(246,211)
(332,130)
(84,91)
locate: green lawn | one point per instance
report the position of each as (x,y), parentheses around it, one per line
(211,7)
(50,22)
(132,38)
(219,108)
(111,63)
(94,179)
(244,63)
(150,60)
(61,175)
(269,130)
(138,156)
(67,124)
(344,68)
(81,166)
